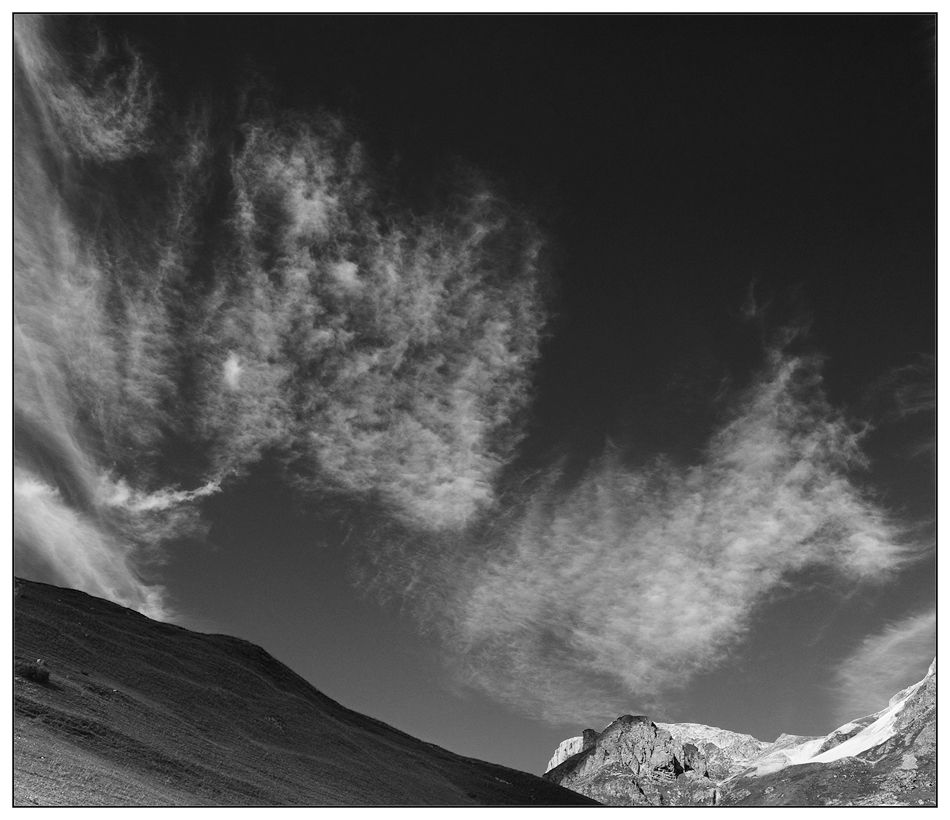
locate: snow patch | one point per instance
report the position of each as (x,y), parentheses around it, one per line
(791,756)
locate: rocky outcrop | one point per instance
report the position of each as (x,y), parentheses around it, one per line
(726,752)
(634,762)
(572,746)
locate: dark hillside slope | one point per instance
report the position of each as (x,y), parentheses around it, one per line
(138,712)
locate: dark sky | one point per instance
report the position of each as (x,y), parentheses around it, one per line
(707,187)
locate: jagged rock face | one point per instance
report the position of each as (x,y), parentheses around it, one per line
(726,752)
(634,762)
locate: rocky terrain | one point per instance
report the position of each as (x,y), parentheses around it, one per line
(112,708)
(888,758)
(725,752)
(636,762)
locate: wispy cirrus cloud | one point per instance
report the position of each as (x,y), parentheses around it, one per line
(607,594)
(185,304)
(905,397)
(884,663)
(89,109)
(62,545)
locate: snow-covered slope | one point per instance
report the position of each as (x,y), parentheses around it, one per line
(885,759)
(772,761)
(848,740)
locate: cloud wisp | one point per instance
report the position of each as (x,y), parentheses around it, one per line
(885,663)
(609,593)
(167,336)
(908,396)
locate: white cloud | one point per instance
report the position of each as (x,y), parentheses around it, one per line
(345,273)
(401,348)
(636,578)
(119,494)
(57,544)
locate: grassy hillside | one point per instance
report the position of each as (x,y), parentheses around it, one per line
(138,712)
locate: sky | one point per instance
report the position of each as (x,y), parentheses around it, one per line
(500,376)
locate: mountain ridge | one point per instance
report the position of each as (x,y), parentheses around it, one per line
(140,712)
(888,758)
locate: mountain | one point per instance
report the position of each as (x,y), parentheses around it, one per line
(888,758)
(112,708)
(636,762)
(725,752)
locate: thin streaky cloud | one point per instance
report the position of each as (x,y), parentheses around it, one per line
(884,663)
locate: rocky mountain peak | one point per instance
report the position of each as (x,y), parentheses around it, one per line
(635,762)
